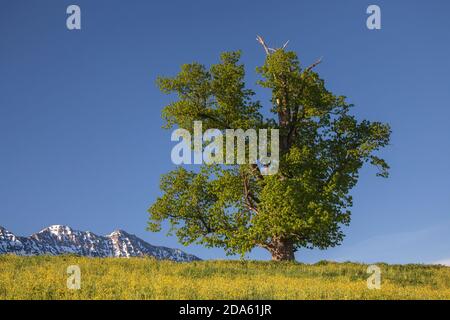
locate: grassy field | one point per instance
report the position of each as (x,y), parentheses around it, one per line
(112,278)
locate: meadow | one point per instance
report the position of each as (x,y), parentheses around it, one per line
(45,277)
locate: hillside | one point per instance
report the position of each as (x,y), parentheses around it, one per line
(45,277)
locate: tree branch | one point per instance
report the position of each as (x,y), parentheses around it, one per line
(266,47)
(318,61)
(247,196)
(263,43)
(256,170)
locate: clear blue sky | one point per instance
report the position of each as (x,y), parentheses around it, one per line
(81,142)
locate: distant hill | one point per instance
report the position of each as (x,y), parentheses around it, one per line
(57,240)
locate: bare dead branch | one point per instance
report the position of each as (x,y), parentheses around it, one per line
(267,49)
(261,41)
(314,65)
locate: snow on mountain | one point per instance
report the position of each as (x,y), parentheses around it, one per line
(58,239)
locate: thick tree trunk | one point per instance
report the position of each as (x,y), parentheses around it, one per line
(282,250)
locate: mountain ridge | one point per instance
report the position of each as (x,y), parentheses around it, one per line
(61,239)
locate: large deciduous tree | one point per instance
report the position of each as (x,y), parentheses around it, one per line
(322,148)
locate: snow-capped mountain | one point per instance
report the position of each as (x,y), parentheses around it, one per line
(58,239)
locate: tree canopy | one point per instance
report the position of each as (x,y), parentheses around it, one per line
(322,148)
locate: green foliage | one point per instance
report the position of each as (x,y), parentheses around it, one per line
(216,96)
(322,149)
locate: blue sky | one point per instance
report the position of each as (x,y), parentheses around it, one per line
(81,142)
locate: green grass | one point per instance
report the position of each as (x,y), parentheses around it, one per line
(45,277)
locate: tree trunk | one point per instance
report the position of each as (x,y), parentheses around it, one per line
(282,250)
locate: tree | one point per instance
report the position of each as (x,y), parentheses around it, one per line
(322,148)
